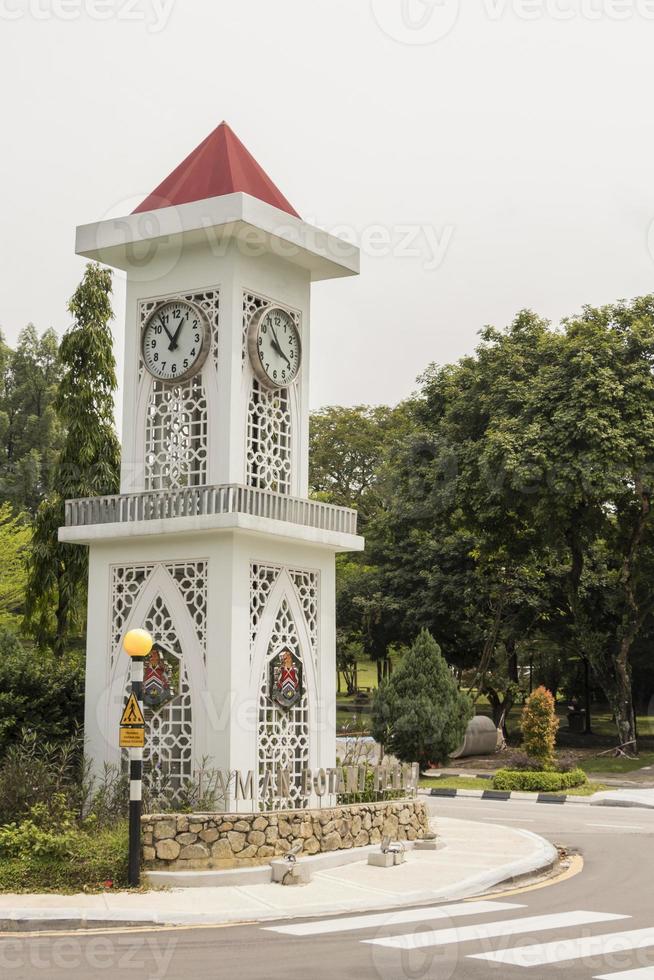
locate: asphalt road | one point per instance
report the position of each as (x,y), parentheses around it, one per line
(598,924)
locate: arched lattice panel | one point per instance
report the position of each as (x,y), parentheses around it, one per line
(177,416)
(306,583)
(283,733)
(127,582)
(168,754)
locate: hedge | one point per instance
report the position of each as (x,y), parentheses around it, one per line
(538,782)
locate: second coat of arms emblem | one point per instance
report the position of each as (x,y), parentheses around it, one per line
(285,678)
(157,679)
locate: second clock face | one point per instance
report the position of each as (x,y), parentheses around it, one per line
(176,340)
(275,347)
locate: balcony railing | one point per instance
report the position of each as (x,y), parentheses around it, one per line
(157,505)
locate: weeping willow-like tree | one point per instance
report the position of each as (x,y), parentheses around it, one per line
(88,465)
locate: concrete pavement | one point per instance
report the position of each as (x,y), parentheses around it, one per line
(474,859)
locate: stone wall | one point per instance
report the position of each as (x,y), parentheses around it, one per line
(218,840)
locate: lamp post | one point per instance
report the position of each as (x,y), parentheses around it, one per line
(137,645)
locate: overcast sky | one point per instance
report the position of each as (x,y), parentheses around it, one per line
(488,156)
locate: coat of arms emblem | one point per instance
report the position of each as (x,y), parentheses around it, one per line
(157,679)
(285,678)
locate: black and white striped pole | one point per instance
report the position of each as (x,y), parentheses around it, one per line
(137,645)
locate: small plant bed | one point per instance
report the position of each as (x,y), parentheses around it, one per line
(539,781)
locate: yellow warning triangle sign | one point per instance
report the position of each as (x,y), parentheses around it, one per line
(132,715)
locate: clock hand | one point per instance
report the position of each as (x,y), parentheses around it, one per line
(173,339)
(277,345)
(170,336)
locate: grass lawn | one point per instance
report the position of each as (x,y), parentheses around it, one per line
(619,766)
(471,782)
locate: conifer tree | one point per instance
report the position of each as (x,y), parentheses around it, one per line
(419,714)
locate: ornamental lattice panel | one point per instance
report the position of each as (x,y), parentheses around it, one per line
(269,422)
(283,733)
(127,582)
(263,578)
(177,422)
(268,454)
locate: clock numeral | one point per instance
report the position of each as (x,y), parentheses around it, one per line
(185,362)
(155,357)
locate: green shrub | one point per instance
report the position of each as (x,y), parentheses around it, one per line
(539,726)
(419,714)
(541,782)
(34,771)
(39,691)
(90,857)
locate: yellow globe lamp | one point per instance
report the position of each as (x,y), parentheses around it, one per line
(137,643)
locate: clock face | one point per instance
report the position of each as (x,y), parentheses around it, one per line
(176,340)
(275,347)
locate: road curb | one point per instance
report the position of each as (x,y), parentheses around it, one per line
(560,798)
(504,796)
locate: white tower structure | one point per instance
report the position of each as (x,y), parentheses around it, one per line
(212,544)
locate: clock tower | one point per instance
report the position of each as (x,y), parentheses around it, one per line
(213,544)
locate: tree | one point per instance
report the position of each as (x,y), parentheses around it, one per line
(30,428)
(15,536)
(348,447)
(573,451)
(541,451)
(419,714)
(89,462)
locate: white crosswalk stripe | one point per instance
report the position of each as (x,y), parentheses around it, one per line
(491,930)
(546,954)
(644,973)
(388,919)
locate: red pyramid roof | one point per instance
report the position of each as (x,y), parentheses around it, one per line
(219,165)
